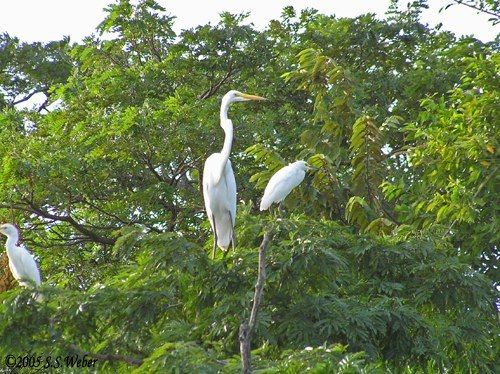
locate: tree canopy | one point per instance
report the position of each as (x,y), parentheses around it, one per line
(386,259)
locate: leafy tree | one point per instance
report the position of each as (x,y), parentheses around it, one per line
(386,257)
(28,69)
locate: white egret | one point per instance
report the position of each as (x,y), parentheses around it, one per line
(219,185)
(21,262)
(283,182)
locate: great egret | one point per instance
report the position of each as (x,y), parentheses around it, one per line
(283,182)
(219,185)
(21,262)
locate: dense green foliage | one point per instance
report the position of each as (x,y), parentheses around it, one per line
(386,258)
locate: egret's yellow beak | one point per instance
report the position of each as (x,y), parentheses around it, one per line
(251,97)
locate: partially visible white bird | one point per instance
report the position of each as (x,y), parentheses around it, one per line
(219,185)
(21,262)
(283,182)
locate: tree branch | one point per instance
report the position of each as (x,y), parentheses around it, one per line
(154,50)
(99,356)
(69,219)
(43,106)
(246,328)
(214,88)
(479,9)
(152,169)
(112,215)
(28,96)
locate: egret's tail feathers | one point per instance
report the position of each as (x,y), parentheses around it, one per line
(224,243)
(265,204)
(224,227)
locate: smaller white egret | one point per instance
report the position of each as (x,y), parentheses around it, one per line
(21,262)
(283,182)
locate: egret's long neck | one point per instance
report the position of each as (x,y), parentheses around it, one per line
(227,125)
(12,243)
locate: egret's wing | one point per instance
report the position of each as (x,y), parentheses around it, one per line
(281,184)
(28,269)
(231,190)
(208,177)
(220,199)
(225,207)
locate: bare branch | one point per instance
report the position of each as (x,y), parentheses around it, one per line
(246,328)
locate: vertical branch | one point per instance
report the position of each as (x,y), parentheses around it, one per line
(246,328)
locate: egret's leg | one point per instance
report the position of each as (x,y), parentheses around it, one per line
(281,209)
(215,237)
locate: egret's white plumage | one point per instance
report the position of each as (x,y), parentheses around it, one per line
(219,185)
(21,262)
(283,182)
(220,199)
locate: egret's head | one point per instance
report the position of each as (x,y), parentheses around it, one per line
(304,165)
(9,229)
(233,96)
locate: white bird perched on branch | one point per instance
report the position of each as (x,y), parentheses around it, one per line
(21,262)
(283,182)
(219,185)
